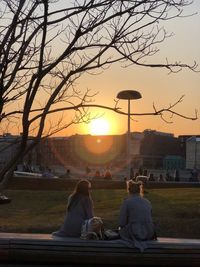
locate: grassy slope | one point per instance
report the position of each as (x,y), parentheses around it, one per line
(176,212)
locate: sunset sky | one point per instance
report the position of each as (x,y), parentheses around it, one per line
(155,85)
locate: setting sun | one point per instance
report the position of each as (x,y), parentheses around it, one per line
(99,127)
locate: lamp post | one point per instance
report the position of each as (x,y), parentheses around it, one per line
(128,95)
(195,153)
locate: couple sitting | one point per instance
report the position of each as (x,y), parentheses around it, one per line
(135,220)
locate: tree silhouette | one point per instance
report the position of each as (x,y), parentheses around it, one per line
(46,45)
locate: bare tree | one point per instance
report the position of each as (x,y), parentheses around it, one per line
(46,45)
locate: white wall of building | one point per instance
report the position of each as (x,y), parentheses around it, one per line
(193,153)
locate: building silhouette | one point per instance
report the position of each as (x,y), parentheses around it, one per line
(158,148)
(150,150)
(193,153)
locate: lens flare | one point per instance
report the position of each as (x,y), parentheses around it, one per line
(99,127)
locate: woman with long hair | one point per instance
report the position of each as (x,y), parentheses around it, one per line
(79,209)
(135,220)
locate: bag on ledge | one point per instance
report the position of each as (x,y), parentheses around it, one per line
(111,234)
(93,229)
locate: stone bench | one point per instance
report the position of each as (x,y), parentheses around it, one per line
(43,248)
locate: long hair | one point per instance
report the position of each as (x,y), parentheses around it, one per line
(81,189)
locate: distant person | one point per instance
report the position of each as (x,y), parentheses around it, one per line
(67,174)
(161,178)
(47,173)
(135,219)
(191,176)
(108,175)
(168,177)
(151,177)
(140,170)
(79,209)
(97,175)
(145,173)
(132,173)
(136,175)
(176,176)
(88,170)
(194,176)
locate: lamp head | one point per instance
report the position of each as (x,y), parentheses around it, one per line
(129,94)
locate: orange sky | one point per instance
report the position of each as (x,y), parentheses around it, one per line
(155,85)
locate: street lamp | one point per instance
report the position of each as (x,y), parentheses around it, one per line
(128,95)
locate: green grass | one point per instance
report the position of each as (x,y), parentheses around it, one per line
(176,212)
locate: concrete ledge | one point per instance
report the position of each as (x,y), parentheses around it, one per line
(43,248)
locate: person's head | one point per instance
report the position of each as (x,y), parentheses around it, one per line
(134,187)
(83,187)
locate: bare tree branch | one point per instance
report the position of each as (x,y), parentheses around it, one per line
(45,48)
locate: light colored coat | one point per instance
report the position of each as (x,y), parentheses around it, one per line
(135,220)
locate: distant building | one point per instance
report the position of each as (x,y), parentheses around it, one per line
(8,147)
(183,140)
(147,149)
(8,144)
(193,153)
(98,150)
(155,146)
(154,132)
(136,138)
(173,162)
(150,149)
(55,153)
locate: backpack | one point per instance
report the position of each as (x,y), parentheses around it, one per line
(93,228)
(111,234)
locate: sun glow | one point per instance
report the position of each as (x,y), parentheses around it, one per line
(99,127)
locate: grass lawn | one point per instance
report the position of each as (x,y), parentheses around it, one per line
(176,212)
